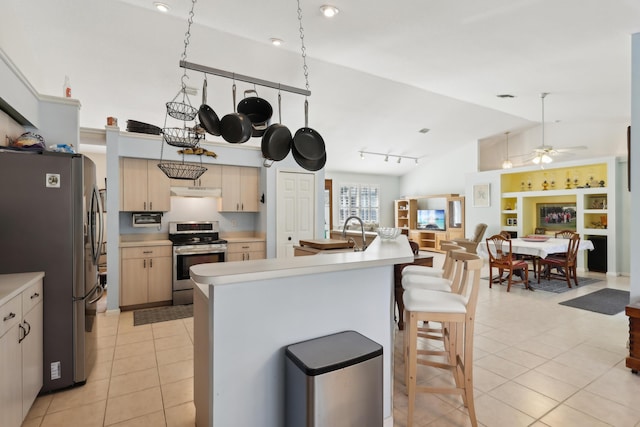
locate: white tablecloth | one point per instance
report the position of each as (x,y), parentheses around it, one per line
(539,249)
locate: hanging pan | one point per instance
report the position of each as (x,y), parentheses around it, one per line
(307,142)
(208,118)
(235,127)
(276,141)
(258,110)
(310,165)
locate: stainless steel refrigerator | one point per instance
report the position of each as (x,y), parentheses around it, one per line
(51,221)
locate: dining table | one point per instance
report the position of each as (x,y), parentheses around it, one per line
(536,246)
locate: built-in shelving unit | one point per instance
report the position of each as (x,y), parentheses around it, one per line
(584,192)
(405,213)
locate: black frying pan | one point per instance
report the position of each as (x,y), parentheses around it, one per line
(307,142)
(258,110)
(310,165)
(208,117)
(235,127)
(276,141)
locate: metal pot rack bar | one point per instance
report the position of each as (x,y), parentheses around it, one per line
(243,78)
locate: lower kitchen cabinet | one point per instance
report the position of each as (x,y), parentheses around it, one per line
(245,251)
(21,354)
(145,274)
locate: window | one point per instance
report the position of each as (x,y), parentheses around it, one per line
(361,200)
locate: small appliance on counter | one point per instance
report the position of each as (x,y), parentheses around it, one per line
(194,242)
(146,219)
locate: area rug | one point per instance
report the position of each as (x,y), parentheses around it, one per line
(162,314)
(557,286)
(605,301)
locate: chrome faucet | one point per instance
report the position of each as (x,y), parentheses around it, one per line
(344,231)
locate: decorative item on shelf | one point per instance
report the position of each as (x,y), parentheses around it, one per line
(553,185)
(522,186)
(545,185)
(575,183)
(601,183)
(529,185)
(568,186)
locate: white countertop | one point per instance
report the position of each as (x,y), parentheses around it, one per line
(13,284)
(379,253)
(133,244)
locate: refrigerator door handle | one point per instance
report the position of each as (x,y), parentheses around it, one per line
(99,290)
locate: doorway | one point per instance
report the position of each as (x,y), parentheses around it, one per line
(295,211)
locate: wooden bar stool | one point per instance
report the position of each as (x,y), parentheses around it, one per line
(456,312)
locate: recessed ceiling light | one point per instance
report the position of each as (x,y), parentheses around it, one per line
(275,41)
(424,130)
(162,7)
(329,11)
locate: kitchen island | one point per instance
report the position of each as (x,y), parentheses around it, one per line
(246,314)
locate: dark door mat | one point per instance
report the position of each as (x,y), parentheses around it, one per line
(605,301)
(554,285)
(162,314)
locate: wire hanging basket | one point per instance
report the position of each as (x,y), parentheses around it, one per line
(181,110)
(181,137)
(184,171)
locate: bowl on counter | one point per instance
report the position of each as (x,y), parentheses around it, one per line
(388,233)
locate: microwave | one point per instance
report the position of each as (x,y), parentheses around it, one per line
(146,219)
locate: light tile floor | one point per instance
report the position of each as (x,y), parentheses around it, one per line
(537,363)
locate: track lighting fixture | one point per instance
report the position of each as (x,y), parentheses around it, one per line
(386,156)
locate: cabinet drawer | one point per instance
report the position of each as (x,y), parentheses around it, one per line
(10,314)
(31,296)
(245,247)
(146,252)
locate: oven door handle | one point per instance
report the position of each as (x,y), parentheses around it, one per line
(179,251)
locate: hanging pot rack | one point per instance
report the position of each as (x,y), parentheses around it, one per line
(247,79)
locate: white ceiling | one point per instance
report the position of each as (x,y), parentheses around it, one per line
(377,74)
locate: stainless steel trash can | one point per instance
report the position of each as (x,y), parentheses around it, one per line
(334,381)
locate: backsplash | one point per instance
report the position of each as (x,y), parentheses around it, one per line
(194,209)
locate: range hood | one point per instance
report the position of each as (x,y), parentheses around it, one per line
(196,192)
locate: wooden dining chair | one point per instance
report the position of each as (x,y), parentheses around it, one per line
(501,257)
(564,234)
(567,263)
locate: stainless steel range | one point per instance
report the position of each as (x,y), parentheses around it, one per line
(194,242)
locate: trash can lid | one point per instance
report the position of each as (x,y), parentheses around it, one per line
(332,352)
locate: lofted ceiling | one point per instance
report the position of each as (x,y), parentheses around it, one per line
(378,73)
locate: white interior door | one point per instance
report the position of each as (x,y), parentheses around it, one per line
(295,210)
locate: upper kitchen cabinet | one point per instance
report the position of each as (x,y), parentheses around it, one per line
(144,186)
(239,189)
(212,178)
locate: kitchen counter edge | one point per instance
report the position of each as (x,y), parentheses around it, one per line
(379,253)
(13,284)
(132,244)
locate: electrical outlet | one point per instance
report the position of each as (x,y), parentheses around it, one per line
(55,370)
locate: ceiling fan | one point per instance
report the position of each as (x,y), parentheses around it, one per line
(544,154)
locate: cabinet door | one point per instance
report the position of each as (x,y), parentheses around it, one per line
(134,185)
(249,178)
(230,189)
(32,354)
(255,255)
(158,188)
(235,256)
(212,178)
(10,378)
(133,281)
(160,274)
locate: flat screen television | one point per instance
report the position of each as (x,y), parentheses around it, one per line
(431,219)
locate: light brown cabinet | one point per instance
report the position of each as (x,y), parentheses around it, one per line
(21,353)
(405,214)
(146,273)
(144,187)
(239,189)
(246,251)
(212,178)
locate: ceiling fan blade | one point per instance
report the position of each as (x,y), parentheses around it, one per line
(575,148)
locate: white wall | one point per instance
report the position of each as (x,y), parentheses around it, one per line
(389,191)
(635,162)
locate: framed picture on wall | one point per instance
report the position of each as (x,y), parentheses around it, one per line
(556,216)
(481,196)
